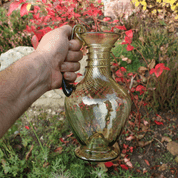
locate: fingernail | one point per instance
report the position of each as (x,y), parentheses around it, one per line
(67,76)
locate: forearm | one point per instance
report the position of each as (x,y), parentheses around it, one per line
(20,85)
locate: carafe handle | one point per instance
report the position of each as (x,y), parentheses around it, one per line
(76,31)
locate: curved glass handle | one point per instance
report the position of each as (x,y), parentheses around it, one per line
(77,30)
(67,88)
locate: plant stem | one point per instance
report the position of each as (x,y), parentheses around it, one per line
(35,133)
(142,56)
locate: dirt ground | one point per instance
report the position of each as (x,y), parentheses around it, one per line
(151,154)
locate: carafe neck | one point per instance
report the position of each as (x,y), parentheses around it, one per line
(98,61)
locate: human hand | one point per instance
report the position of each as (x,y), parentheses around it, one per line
(60,55)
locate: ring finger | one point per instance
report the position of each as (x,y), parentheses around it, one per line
(70,66)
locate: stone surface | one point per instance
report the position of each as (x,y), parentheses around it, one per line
(115,8)
(13,55)
(52,99)
(172,147)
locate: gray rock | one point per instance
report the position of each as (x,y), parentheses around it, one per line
(13,55)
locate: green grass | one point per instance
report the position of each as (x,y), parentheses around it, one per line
(42,139)
(11,30)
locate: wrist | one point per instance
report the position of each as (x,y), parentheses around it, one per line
(39,70)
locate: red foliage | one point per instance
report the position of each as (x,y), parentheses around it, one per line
(158,69)
(23,10)
(108,164)
(158,123)
(147,162)
(123,166)
(141,89)
(27,127)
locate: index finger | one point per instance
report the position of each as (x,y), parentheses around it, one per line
(66,30)
(75,45)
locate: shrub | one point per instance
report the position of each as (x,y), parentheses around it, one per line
(121,53)
(165,95)
(157,6)
(155,41)
(11,30)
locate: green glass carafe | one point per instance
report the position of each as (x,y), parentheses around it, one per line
(98,108)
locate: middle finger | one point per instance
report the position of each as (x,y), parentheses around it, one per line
(74,56)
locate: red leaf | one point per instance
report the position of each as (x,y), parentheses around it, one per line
(123,166)
(158,116)
(128,40)
(106,19)
(152,71)
(129,33)
(158,123)
(130,74)
(125,146)
(119,73)
(75,83)
(70,135)
(145,104)
(13,6)
(141,89)
(121,27)
(23,10)
(59,150)
(160,65)
(131,149)
(34,41)
(77,15)
(61,139)
(79,74)
(44,1)
(115,21)
(123,69)
(119,79)
(46,30)
(36,9)
(115,64)
(36,17)
(132,89)
(27,127)
(28,29)
(166,68)
(124,151)
(39,34)
(129,47)
(147,162)
(158,69)
(108,164)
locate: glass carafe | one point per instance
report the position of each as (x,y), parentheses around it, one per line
(98,108)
